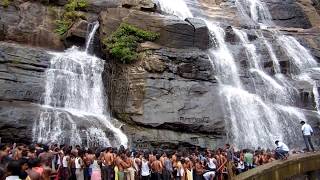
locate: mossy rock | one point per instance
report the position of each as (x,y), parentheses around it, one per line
(70,16)
(5,3)
(123,43)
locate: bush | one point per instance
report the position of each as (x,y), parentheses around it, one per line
(70,15)
(122,43)
(74,5)
(62,26)
(5,3)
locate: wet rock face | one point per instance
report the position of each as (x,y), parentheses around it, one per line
(288,14)
(22,83)
(22,73)
(29,23)
(182,97)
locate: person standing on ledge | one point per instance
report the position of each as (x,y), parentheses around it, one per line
(307,133)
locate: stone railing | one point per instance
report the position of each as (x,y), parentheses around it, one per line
(283,169)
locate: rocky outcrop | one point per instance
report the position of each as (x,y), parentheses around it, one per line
(169,89)
(173,32)
(30,23)
(288,14)
(22,73)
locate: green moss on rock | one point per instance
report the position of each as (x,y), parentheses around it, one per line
(70,15)
(122,43)
(5,3)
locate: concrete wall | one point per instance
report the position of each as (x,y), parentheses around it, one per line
(279,170)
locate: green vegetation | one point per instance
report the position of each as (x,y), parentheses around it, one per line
(5,3)
(74,5)
(70,15)
(122,43)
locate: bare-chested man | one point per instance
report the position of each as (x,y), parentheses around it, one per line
(199,170)
(157,168)
(108,160)
(121,164)
(87,159)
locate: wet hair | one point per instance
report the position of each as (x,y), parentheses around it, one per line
(34,163)
(154,152)
(158,156)
(146,156)
(183,161)
(23,161)
(24,153)
(14,168)
(302,122)
(45,148)
(3,147)
(276,142)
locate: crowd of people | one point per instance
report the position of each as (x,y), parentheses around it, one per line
(37,162)
(62,162)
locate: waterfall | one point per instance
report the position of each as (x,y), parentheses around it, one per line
(90,37)
(256,11)
(273,56)
(75,101)
(223,59)
(300,57)
(270,90)
(253,123)
(175,7)
(253,119)
(306,77)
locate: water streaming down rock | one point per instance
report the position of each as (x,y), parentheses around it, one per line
(306,77)
(300,57)
(252,122)
(175,7)
(89,41)
(256,11)
(223,59)
(270,90)
(276,64)
(290,118)
(75,102)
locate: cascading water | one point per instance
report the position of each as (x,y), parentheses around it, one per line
(254,119)
(270,90)
(256,11)
(75,102)
(245,111)
(89,40)
(175,7)
(300,57)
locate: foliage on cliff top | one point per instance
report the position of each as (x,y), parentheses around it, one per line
(70,15)
(5,3)
(122,43)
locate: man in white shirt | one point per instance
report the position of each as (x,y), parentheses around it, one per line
(282,150)
(307,132)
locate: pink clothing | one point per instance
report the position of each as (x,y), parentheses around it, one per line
(96,175)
